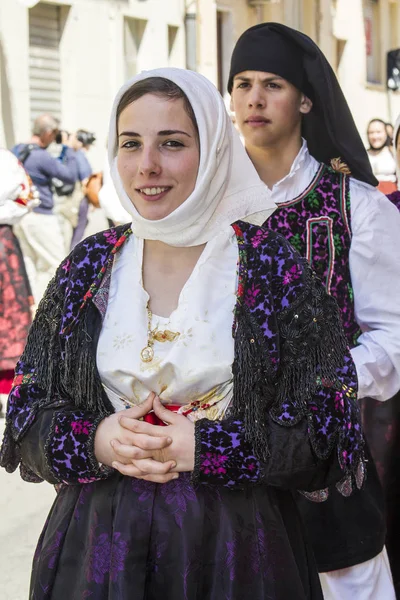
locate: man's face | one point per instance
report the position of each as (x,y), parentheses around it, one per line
(268,109)
(48,137)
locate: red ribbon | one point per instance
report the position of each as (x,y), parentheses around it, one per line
(152,418)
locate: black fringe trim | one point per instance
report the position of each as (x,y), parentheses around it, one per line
(254,392)
(312,349)
(65,366)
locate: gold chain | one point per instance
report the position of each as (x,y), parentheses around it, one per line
(147,354)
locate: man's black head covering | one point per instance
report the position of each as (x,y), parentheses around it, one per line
(329,128)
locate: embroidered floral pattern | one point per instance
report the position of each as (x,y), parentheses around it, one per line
(107,556)
(302,325)
(329,196)
(179,495)
(222,454)
(69,448)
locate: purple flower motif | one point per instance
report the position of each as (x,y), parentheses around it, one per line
(86,479)
(260,235)
(99,561)
(339,402)
(251,464)
(111,236)
(119,553)
(178,493)
(144,489)
(213,463)
(293,273)
(107,556)
(251,295)
(51,551)
(80,426)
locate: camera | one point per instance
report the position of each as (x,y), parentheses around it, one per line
(61,136)
(85,137)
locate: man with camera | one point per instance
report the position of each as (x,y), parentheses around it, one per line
(39,231)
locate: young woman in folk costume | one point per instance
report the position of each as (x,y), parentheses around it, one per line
(17,195)
(183,376)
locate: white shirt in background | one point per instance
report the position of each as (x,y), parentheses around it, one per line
(383,165)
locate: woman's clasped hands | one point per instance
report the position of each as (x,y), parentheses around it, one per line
(139,449)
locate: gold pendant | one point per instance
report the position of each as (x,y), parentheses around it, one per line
(165,336)
(147,354)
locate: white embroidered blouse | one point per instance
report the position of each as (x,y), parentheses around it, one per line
(194,368)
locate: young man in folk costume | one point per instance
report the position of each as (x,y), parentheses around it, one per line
(301,137)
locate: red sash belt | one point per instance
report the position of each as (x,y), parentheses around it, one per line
(152,418)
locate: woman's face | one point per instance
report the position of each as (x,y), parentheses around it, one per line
(158,155)
(377,134)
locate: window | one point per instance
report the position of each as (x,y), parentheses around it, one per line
(44,60)
(173,50)
(373,48)
(133,34)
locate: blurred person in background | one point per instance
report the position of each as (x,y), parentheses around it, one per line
(100,196)
(17,197)
(72,207)
(296,124)
(90,190)
(39,232)
(390,132)
(81,141)
(381,156)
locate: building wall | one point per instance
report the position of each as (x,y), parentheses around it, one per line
(14,49)
(366,100)
(92,52)
(92,61)
(338,28)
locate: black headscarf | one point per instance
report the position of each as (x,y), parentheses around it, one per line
(329,128)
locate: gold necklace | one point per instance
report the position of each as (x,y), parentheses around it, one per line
(153,335)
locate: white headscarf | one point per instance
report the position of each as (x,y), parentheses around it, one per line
(13,178)
(228,187)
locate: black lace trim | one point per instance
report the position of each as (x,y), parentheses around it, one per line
(195,476)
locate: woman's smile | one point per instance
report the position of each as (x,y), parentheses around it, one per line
(153,193)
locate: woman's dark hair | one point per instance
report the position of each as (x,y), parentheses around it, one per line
(159,86)
(377,120)
(87,138)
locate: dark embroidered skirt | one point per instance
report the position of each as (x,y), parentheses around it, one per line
(15,300)
(125,539)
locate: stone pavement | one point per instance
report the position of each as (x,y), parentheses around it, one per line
(23,510)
